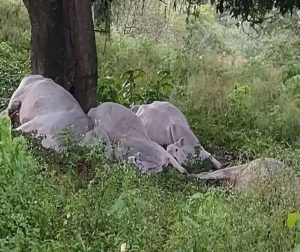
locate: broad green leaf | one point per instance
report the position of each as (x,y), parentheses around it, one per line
(292,219)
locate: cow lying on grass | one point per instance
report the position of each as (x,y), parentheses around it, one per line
(242,175)
(123,126)
(44,107)
(168,127)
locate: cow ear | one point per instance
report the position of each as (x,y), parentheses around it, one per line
(13,111)
(92,112)
(177,131)
(180,142)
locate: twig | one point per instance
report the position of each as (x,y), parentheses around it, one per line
(101,31)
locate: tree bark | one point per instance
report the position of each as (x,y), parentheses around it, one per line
(63,46)
(102,14)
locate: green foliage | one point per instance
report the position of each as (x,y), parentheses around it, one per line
(58,211)
(150,81)
(17,225)
(202,213)
(255,11)
(128,90)
(13,66)
(13,155)
(241,98)
(74,157)
(281,50)
(14,47)
(293,89)
(239,107)
(203,31)
(293,223)
(291,70)
(14,23)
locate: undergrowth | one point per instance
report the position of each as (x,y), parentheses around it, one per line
(44,208)
(240,100)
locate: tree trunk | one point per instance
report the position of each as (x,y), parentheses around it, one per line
(102,15)
(63,46)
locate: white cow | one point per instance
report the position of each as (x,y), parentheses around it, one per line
(167,126)
(242,175)
(47,108)
(123,126)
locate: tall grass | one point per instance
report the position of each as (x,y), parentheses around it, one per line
(44,208)
(14,47)
(14,23)
(235,97)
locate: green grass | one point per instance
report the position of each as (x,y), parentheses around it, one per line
(249,110)
(44,208)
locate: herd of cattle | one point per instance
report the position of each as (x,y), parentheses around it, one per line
(150,136)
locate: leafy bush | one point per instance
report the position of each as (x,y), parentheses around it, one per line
(54,210)
(239,107)
(14,47)
(291,70)
(14,159)
(281,50)
(14,23)
(18,205)
(142,79)
(202,221)
(14,65)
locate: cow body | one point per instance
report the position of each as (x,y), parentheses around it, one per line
(123,126)
(47,108)
(167,126)
(242,175)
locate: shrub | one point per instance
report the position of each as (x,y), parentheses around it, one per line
(239,111)
(14,65)
(291,70)
(293,223)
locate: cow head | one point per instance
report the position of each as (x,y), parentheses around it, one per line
(183,155)
(13,111)
(176,150)
(144,164)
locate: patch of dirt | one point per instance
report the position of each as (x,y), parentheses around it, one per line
(85,170)
(226,157)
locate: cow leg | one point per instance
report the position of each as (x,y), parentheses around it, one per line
(206,155)
(215,162)
(26,127)
(230,173)
(177,166)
